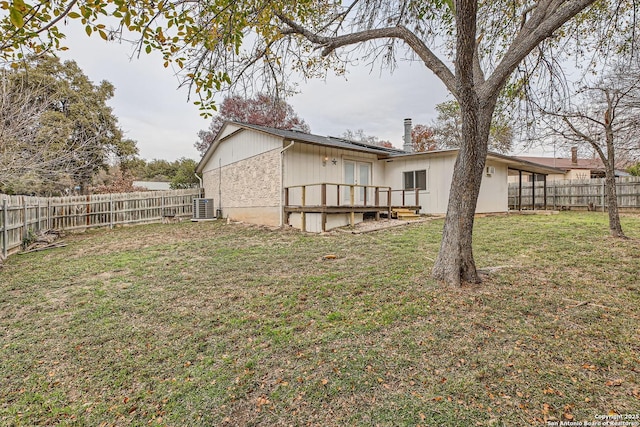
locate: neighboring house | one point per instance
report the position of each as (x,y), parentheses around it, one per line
(153,185)
(274,177)
(572,168)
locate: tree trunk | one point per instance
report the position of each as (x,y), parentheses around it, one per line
(615,227)
(454,264)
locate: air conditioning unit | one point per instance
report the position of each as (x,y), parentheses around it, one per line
(490,170)
(203,209)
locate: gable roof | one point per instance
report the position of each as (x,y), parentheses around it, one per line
(329,141)
(381,152)
(293,135)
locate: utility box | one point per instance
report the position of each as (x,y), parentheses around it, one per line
(203,209)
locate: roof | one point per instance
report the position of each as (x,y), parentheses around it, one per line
(565,163)
(514,163)
(153,185)
(381,152)
(330,141)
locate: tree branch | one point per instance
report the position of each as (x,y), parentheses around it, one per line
(546,18)
(330,44)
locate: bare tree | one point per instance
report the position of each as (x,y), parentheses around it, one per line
(605,116)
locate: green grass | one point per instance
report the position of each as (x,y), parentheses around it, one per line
(199,324)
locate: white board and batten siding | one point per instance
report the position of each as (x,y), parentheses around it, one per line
(438,169)
(494,190)
(439,173)
(307,164)
(244,145)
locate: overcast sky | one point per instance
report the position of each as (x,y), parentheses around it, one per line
(155,113)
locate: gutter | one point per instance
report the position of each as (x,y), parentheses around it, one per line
(282,181)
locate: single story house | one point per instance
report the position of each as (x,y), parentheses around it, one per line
(274,177)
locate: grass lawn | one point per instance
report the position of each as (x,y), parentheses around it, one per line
(209,324)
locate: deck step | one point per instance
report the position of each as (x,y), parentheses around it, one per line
(405,214)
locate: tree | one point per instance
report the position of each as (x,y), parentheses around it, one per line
(360,136)
(606,117)
(185,175)
(262,110)
(56,130)
(448,129)
(248,44)
(423,138)
(634,170)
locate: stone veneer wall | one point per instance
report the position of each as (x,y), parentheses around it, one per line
(250,189)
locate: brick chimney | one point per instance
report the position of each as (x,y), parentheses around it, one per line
(408,143)
(574,155)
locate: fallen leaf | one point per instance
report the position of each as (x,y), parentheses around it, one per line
(614,383)
(567,416)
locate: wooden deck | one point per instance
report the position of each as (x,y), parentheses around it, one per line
(328,198)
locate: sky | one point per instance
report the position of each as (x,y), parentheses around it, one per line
(153,111)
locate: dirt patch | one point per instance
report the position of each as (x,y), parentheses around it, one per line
(383,224)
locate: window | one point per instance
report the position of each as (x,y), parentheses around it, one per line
(415,179)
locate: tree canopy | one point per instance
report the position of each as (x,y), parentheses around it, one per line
(261,110)
(56,129)
(448,129)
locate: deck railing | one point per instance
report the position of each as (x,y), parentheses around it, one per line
(325,198)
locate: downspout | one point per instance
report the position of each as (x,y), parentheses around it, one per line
(282,181)
(200,186)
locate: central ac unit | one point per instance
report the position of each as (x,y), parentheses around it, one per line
(203,209)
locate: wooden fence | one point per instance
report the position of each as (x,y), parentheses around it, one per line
(19,214)
(576,193)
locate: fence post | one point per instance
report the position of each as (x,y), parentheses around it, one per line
(5,235)
(111,210)
(24,213)
(38,216)
(603,196)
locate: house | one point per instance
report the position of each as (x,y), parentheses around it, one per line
(572,168)
(275,177)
